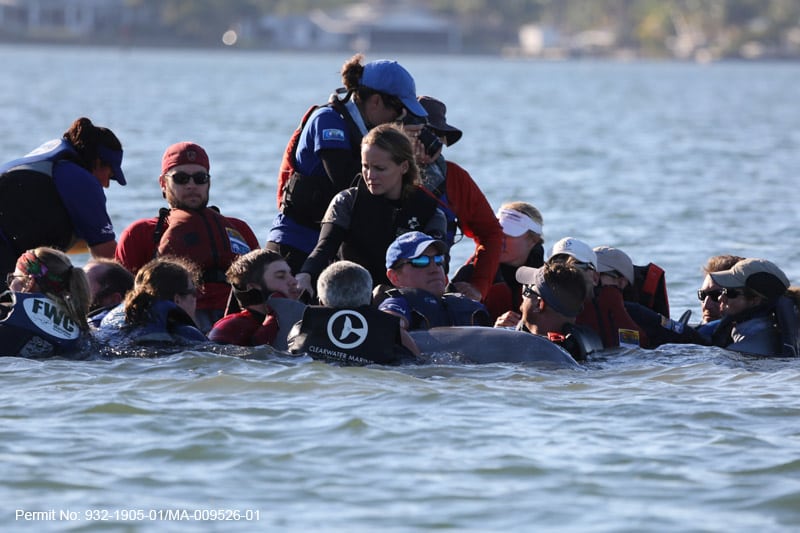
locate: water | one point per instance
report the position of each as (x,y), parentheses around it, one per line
(670,162)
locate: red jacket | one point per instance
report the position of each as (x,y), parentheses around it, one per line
(245,328)
(478,222)
(136,247)
(606,314)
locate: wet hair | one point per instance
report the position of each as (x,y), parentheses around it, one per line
(160,279)
(112,277)
(393,140)
(568,285)
(345,284)
(249,268)
(529,211)
(57,279)
(718,263)
(85,137)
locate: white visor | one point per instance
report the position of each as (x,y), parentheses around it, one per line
(515,223)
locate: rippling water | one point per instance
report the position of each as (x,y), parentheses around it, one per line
(671,162)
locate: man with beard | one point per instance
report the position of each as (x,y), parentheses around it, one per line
(189,228)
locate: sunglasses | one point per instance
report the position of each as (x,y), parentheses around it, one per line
(424,260)
(11,277)
(732,293)
(528,292)
(714,294)
(612,274)
(182,178)
(583,266)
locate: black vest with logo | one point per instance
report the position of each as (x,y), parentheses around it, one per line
(428,311)
(359,336)
(376,222)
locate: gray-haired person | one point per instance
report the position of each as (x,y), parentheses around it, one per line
(346,328)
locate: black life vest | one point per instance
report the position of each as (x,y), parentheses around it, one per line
(428,311)
(359,336)
(305,198)
(31,212)
(376,222)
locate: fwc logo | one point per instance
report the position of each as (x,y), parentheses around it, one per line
(347,329)
(50,318)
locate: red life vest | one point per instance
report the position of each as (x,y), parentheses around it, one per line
(289,161)
(204,236)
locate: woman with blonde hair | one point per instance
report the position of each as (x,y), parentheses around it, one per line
(44,311)
(361,222)
(523,245)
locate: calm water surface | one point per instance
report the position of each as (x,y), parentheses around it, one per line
(671,162)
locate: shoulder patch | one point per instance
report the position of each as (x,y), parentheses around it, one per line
(333,135)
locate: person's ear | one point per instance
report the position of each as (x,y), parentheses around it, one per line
(391,275)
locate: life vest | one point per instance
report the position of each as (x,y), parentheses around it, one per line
(579,341)
(505,294)
(306,198)
(204,236)
(770,330)
(359,336)
(168,325)
(649,288)
(33,213)
(608,316)
(376,222)
(37,326)
(428,311)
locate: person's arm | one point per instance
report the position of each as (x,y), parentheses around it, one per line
(478,222)
(341,167)
(104,249)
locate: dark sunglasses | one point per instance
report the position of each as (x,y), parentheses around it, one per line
(714,294)
(612,274)
(182,178)
(424,260)
(528,292)
(583,266)
(732,293)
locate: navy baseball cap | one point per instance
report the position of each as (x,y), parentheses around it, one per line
(391,78)
(112,158)
(410,245)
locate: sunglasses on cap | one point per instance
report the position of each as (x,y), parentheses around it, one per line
(714,294)
(182,178)
(528,292)
(583,266)
(424,260)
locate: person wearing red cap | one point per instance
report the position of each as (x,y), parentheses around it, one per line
(462,201)
(323,156)
(54,195)
(190,229)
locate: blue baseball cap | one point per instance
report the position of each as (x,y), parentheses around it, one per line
(391,78)
(112,158)
(410,245)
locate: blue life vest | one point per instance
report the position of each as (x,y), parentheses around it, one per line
(36,326)
(428,311)
(169,325)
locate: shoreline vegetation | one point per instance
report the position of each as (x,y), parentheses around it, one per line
(692,30)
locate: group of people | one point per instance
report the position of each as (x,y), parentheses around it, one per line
(357,256)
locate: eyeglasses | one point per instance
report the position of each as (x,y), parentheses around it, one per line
(11,277)
(424,260)
(732,293)
(583,266)
(182,178)
(611,274)
(714,294)
(528,292)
